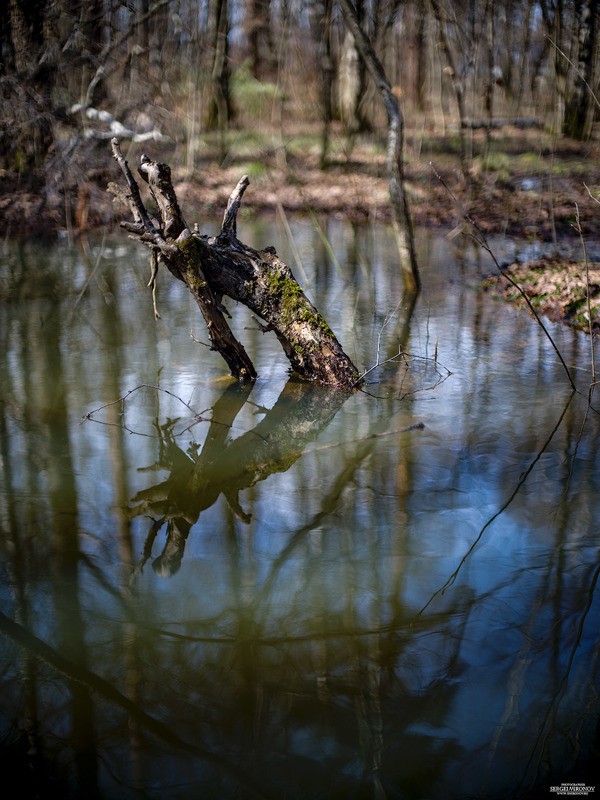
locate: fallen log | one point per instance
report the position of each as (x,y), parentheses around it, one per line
(222,266)
(500,122)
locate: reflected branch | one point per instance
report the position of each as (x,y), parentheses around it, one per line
(406,358)
(578,442)
(552,710)
(418,426)
(124,397)
(501,510)
(225,467)
(83,676)
(330,501)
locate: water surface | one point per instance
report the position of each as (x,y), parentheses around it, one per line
(282,591)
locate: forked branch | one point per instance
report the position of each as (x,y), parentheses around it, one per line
(222,266)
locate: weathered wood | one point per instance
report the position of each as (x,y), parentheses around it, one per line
(175,254)
(214,267)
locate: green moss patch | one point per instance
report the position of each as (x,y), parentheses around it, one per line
(295,307)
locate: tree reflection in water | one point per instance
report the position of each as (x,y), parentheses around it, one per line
(340,606)
(227,467)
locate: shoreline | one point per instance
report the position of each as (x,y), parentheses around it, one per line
(525,199)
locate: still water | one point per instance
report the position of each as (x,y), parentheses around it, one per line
(282,591)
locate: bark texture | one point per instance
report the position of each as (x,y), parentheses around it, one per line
(214,267)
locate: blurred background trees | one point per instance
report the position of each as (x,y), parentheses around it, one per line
(178,70)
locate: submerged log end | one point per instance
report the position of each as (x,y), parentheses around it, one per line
(311,346)
(322,362)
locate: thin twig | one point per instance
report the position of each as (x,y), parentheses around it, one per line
(134,189)
(292,242)
(88,280)
(406,356)
(481,240)
(417,426)
(587,290)
(90,414)
(595,199)
(152,281)
(378,364)
(387,319)
(326,244)
(500,511)
(198,341)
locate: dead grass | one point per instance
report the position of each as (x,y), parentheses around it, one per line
(557,288)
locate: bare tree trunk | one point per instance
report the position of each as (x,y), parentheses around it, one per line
(591,68)
(258,31)
(553,15)
(26,24)
(415,21)
(222,266)
(348,83)
(520,80)
(321,27)
(489,82)
(219,105)
(580,106)
(457,84)
(401,216)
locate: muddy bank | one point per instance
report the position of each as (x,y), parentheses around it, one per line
(529,188)
(519,207)
(356,191)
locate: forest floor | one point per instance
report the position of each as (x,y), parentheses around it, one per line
(523,184)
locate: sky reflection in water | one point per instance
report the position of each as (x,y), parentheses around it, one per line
(281,591)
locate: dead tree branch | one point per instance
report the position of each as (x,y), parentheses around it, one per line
(222,266)
(176,256)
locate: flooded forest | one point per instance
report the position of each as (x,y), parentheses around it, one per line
(298,412)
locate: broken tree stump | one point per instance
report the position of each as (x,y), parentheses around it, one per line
(222,266)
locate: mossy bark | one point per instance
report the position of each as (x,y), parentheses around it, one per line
(222,266)
(265,284)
